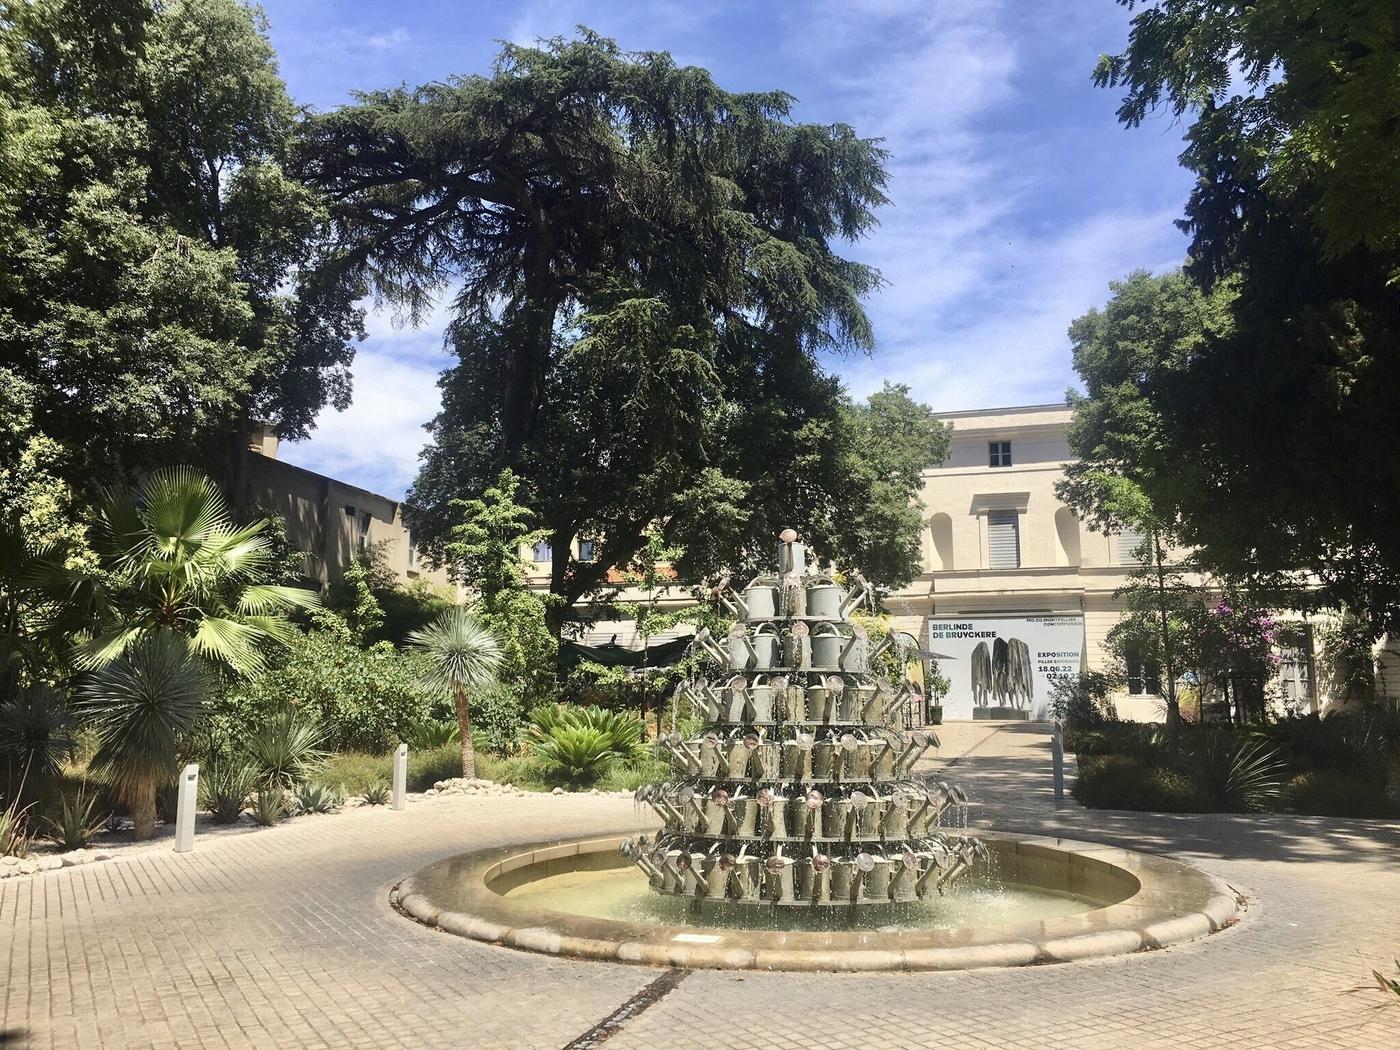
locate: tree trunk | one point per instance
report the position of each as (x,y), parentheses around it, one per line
(141,800)
(1168,662)
(464,723)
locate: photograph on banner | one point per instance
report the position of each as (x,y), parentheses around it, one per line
(1002,667)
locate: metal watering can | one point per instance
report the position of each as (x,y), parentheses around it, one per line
(777,877)
(826,644)
(792,556)
(814,878)
(797,756)
(809,823)
(734,701)
(758,602)
(823,701)
(792,595)
(855,654)
(797,648)
(761,695)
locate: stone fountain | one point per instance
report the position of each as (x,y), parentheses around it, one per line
(797,793)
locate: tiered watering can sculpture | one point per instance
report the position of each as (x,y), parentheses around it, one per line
(796,792)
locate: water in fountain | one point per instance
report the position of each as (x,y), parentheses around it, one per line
(798,793)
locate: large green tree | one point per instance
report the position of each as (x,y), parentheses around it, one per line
(1253,403)
(163,281)
(646,274)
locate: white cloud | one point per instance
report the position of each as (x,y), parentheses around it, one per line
(387,41)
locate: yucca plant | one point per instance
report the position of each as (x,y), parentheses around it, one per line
(75,825)
(36,730)
(315,798)
(463,655)
(285,750)
(377,794)
(15,836)
(1236,772)
(269,806)
(141,707)
(576,754)
(224,786)
(180,564)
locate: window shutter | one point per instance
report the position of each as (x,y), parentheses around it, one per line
(1128,542)
(1003,539)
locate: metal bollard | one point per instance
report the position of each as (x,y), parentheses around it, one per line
(400,776)
(185,808)
(1057,755)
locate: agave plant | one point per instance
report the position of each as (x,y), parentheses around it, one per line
(462,655)
(14,830)
(377,794)
(1236,772)
(315,798)
(141,707)
(224,786)
(285,750)
(269,806)
(74,825)
(181,565)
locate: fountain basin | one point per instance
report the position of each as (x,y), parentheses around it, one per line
(1136,902)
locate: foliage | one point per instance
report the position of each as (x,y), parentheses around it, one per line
(74,826)
(1285,323)
(375,606)
(354,772)
(142,707)
(36,730)
(315,798)
(1236,772)
(174,561)
(631,773)
(286,749)
(364,698)
(1389,986)
(164,278)
(269,806)
(1124,782)
(434,733)
(225,782)
(1084,702)
(38,613)
(1338,793)
(497,718)
(461,655)
(377,793)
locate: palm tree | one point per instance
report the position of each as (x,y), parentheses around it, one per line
(463,655)
(181,565)
(141,706)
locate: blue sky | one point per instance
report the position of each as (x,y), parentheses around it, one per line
(1016,197)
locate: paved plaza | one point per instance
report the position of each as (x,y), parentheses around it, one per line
(285,938)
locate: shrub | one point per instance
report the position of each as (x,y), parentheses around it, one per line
(1234,771)
(365,699)
(74,825)
(1141,740)
(284,750)
(15,835)
(36,731)
(1123,782)
(354,772)
(315,798)
(1083,702)
(435,732)
(497,718)
(630,774)
(620,731)
(1333,793)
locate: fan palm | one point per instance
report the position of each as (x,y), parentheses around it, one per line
(142,705)
(181,565)
(462,655)
(36,730)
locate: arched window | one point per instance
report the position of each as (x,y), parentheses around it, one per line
(941,528)
(1066,537)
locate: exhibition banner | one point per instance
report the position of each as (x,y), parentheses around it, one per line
(1003,667)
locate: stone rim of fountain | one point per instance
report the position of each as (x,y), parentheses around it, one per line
(1173,903)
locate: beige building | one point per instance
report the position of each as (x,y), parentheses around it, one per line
(328,520)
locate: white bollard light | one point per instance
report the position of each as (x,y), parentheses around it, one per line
(400,776)
(185,808)
(1057,755)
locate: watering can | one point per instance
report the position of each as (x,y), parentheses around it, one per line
(855,654)
(877,879)
(826,643)
(758,602)
(931,877)
(706,698)
(737,756)
(797,756)
(765,647)
(686,755)
(797,647)
(882,761)
(867,703)
(777,878)
(844,886)
(814,878)
(741,652)
(856,758)
(792,697)
(709,755)
(770,814)
(867,810)
(718,871)
(847,700)
(904,874)
(824,598)
(809,822)
(706,643)
(792,556)
(734,700)
(824,760)
(765,762)
(919,743)
(747,880)
(835,812)
(860,590)
(792,595)
(895,822)
(664,861)
(821,705)
(760,700)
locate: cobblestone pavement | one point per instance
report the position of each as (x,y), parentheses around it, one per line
(284,938)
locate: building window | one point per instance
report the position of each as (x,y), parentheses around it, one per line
(587,550)
(1130,544)
(1144,676)
(1003,539)
(999,453)
(542,552)
(1295,672)
(412,550)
